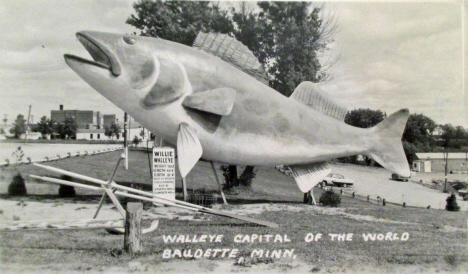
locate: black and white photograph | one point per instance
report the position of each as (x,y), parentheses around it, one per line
(159,136)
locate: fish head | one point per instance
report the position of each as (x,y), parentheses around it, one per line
(126,69)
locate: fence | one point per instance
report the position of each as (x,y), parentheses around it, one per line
(58,157)
(367,198)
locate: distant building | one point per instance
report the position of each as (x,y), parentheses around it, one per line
(85,119)
(134,129)
(109,119)
(457,162)
(91,134)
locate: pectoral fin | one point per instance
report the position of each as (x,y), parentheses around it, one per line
(309,175)
(189,149)
(218,101)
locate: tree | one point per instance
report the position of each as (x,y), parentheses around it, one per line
(288,38)
(461,134)
(418,135)
(136,141)
(364,118)
(113,130)
(45,126)
(452,203)
(330,198)
(19,126)
(17,187)
(179,21)
(67,129)
(449,133)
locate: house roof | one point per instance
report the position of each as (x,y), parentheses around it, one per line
(440,155)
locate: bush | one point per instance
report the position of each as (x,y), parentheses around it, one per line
(64,190)
(452,203)
(17,187)
(330,198)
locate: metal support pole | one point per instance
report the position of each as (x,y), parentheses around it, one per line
(101,202)
(219,184)
(122,156)
(125,141)
(184,188)
(311,193)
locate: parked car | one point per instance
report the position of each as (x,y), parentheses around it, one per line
(463,193)
(284,169)
(398,177)
(334,179)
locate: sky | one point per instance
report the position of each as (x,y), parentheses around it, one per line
(392,55)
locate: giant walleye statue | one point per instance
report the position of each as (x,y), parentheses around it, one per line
(212,101)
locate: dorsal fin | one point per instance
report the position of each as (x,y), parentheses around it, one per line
(232,51)
(310,94)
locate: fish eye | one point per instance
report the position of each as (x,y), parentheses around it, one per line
(129,40)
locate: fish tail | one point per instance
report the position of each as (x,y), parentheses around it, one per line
(388,149)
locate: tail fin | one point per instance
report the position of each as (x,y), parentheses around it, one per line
(388,150)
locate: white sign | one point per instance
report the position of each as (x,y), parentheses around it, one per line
(164,173)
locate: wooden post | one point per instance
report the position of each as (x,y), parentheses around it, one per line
(132,236)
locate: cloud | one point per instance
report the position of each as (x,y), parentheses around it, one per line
(35,35)
(396,55)
(393,55)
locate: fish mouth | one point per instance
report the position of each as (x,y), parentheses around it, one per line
(102,56)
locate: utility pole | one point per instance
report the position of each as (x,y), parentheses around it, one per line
(27,125)
(446,168)
(129,127)
(125,141)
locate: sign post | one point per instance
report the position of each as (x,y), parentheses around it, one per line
(163,173)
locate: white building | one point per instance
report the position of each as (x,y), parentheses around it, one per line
(91,134)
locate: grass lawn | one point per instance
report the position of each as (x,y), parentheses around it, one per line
(437,239)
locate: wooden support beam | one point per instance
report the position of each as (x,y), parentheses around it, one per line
(175,203)
(69,224)
(200,209)
(132,236)
(63,182)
